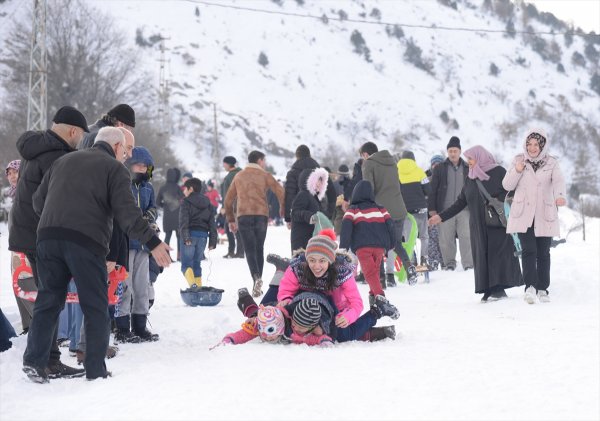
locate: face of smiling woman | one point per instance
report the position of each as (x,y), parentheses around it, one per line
(318,265)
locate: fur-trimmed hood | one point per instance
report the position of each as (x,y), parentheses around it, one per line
(311,179)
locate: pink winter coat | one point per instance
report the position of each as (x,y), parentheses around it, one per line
(535,197)
(346,297)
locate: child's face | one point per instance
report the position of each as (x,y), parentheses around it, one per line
(139,168)
(318,265)
(12,176)
(302,330)
(187,191)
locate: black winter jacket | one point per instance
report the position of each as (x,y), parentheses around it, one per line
(39,150)
(82,193)
(291,187)
(169,199)
(356,177)
(439,185)
(197,214)
(304,206)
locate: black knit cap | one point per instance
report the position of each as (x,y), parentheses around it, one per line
(71,116)
(454,143)
(230,160)
(124,113)
(307,313)
(343,170)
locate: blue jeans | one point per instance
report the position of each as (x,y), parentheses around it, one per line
(357,329)
(70,320)
(192,255)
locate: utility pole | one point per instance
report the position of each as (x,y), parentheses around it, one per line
(37,102)
(164,121)
(216,165)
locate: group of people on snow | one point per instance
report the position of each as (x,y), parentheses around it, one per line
(85,212)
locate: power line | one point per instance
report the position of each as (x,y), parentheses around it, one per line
(383,23)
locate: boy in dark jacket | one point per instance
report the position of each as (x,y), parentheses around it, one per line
(196,225)
(134,293)
(368,230)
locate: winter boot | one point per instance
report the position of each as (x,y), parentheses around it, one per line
(197,282)
(138,322)
(411,274)
(543,296)
(35,373)
(257,288)
(57,369)
(530,294)
(246,303)
(189,277)
(381,333)
(281,263)
(124,334)
(385,308)
(390,279)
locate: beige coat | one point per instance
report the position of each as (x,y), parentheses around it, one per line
(535,197)
(249,190)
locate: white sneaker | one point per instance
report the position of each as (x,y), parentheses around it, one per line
(530,295)
(543,296)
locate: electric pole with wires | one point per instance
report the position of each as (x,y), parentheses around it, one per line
(37,102)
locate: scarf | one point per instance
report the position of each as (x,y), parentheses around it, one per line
(484,161)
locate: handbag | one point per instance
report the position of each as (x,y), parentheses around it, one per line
(494,209)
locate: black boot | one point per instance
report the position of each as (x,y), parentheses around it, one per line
(138,323)
(383,307)
(123,334)
(58,370)
(390,279)
(381,333)
(281,263)
(246,303)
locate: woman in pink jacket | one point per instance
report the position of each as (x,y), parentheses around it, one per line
(539,188)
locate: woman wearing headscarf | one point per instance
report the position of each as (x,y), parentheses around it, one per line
(496,266)
(539,188)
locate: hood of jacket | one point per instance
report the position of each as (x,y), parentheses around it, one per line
(173,175)
(32,144)
(383,158)
(312,179)
(410,172)
(363,192)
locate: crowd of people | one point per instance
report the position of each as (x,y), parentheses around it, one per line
(105,249)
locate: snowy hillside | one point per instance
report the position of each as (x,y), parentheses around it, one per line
(453,358)
(316,89)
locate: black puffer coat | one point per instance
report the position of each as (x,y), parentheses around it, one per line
(304,206)
(39,150)
(169,199)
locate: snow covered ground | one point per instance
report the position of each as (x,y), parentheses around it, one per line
(454,357)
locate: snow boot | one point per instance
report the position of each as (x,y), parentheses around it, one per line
(411,274)
(246,303)
(190,278)
(124,334)
(530,294)
(381,333)
(138,322)
(543,296)
(58,370)
(384,308)
(35,373)
(281,263)
(257,288)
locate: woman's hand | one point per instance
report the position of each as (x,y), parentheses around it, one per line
(561,201)
(520,166)
(341,321)
(434,220)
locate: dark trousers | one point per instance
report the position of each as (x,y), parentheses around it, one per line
(253,230)
(230,241)
(168,236)
(357,329)
(54,351)
(58,261)
(535,259)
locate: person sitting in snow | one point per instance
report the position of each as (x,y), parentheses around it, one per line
(197,226)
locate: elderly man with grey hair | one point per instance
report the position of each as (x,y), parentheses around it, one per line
(77,201)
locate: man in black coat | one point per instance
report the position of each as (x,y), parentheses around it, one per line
(304,162)
(121,115)
(73,241)
(39,150)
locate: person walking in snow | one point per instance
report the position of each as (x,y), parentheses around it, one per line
(447,181)
(434,252)
(248,192)
(496,266)
(233,239)
(415,189)
(379,168)
(169,199)
(539,187)
(312,185)
(368,230)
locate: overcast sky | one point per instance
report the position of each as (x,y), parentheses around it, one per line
(583,13)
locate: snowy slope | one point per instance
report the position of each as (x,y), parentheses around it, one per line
(454,358)
(315,88)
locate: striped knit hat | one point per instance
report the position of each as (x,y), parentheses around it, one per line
(307,313)
(270,322)
(323,244)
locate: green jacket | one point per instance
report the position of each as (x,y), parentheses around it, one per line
(381,170)
(227,181)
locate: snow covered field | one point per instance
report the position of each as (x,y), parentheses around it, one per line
(454,357)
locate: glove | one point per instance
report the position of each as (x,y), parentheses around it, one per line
(313,219)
